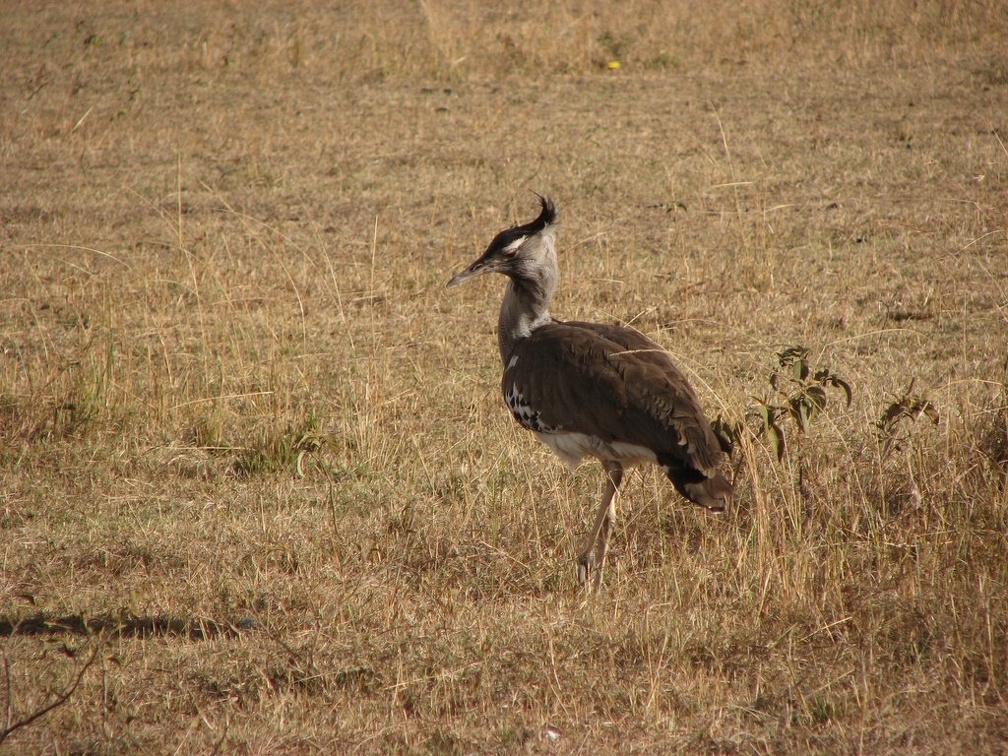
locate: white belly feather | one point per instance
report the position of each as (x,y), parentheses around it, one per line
(573,447)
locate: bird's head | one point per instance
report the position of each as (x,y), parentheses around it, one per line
(522,253)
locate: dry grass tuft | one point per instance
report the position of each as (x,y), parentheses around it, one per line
(259,493)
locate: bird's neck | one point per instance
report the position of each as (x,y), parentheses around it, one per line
(525,308)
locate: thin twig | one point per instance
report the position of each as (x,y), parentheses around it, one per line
(61,698)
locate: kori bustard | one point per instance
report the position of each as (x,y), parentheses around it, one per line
(593,390)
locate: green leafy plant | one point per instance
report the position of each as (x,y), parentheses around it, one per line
(285,450)
(799,392)
(908,408)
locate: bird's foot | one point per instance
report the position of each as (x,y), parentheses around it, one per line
(587,566)
(584,568)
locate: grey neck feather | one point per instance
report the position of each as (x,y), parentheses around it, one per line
(529,291)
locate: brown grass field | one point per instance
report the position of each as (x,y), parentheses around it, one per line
(259,492)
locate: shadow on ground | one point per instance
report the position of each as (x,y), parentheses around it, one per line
(122,625)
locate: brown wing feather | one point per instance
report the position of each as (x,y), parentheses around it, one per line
(613,383)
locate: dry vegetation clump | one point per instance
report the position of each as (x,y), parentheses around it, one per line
(258,492)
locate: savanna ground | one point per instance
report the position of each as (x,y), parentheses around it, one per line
(259,490)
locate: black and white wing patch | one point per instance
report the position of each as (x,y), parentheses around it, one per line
(523,412)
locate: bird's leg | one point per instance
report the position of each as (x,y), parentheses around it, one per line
(593,554)
(614,476)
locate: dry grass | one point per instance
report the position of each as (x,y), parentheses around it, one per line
(259,492)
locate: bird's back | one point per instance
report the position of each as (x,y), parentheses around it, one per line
(611,383)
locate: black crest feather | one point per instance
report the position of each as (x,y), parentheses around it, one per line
(546,217)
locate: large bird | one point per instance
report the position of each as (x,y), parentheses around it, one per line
(593,390)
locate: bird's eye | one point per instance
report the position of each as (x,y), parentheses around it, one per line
(512,249)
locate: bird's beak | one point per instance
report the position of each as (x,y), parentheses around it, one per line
(477,268)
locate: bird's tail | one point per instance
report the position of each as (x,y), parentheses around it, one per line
(712,492)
